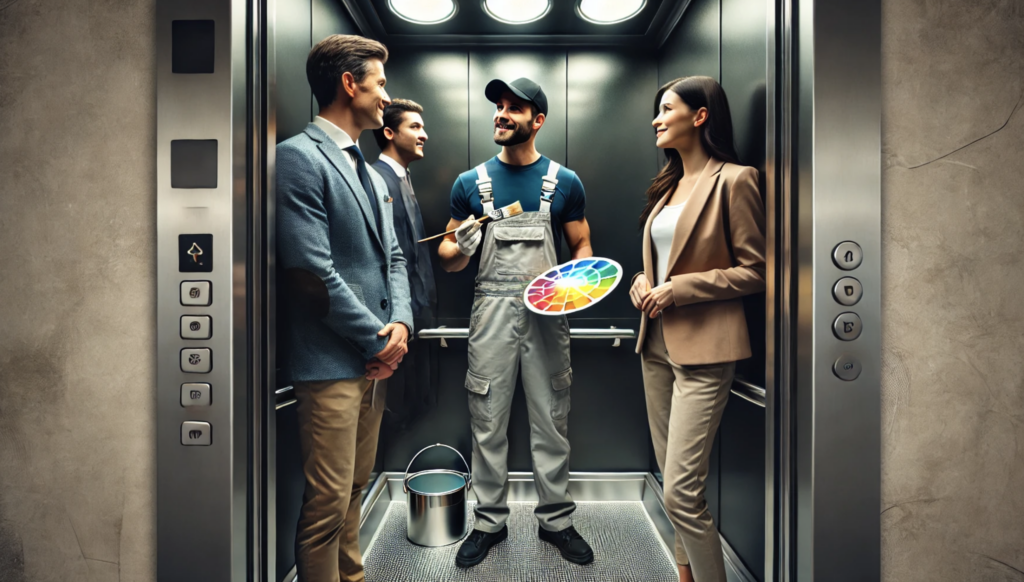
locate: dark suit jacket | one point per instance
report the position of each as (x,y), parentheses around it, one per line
(421,298)
(343,274)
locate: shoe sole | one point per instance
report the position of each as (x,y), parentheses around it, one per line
(469,564)
(581,561)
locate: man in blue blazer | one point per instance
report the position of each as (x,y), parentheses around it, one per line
(346,311)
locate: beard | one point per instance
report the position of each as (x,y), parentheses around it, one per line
(520,134)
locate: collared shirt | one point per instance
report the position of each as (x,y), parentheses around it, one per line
(400,171)
(340,137)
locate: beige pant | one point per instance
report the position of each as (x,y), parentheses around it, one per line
(338,429)
(684,407)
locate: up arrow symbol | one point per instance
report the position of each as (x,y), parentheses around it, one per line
(195,251)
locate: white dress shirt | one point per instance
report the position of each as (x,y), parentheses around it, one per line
(400,171)
(341,138)
(663,230)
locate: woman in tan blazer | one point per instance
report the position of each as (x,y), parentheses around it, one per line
(703,250)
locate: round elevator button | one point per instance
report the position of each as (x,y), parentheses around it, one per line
(847,291)
(847,255)
(846,368)
(847,326)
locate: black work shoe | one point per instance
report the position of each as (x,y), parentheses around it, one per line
(570,543)
(476,546)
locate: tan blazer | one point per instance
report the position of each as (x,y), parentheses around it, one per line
(707,324)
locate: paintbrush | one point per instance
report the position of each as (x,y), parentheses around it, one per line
(509,211)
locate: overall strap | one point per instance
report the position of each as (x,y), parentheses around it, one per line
(547,192)
(483,182)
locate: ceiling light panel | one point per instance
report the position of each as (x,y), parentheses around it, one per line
(609,11)
(517,11)
(424,11)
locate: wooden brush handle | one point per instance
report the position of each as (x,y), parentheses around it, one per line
(478,220)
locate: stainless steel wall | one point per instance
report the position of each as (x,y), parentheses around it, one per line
(953,235)
(77,277)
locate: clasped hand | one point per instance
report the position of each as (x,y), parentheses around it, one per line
(386,362)
(651,301)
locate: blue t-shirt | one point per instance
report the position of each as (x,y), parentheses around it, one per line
(523,183)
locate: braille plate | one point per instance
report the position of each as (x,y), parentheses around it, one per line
(626,549)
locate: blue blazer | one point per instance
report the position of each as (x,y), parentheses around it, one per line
(342,279)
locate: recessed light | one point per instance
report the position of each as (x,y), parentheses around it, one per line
(609,11)
(424,11)
(517,11)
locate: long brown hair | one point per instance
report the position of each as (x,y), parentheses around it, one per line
(715,137)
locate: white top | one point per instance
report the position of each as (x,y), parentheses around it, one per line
(663,229)
(339,136)
(395,165)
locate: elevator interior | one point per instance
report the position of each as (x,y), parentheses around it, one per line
(600,81)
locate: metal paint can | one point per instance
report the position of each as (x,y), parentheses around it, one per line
(438,512)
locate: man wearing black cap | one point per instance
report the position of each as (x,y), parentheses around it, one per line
(504,334)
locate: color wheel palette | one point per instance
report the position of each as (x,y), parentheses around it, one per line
(572,286)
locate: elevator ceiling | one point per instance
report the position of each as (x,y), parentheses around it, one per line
(561,26)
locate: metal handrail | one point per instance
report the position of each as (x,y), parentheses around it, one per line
(750,392)
(577,333)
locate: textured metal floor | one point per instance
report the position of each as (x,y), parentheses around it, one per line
(626,549)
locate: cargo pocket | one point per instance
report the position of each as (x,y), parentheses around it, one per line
(560,383)
(519,250)
(479,396)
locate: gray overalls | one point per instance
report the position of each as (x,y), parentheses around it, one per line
(504,333)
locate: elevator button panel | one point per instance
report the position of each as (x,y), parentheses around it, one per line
(847,255)
(847,291)
(195,253)
(846,368)
(847,326)
(196,360)
(196,434)
(196,327)
(196,394)
(196,293)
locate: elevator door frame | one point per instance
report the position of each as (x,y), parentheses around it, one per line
(805,39)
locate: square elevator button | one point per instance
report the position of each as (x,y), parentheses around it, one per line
(196,434)
(193,163)
(196,327)
(196,293)
(195,394)
(195,253)
(196,360)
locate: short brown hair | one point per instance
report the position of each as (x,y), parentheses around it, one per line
(336,55)
(393,118)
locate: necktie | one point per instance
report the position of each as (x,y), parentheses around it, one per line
(364,177)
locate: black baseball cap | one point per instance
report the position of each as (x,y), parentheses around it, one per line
(522,88)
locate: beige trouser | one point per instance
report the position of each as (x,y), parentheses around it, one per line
(684,407)
(338,428)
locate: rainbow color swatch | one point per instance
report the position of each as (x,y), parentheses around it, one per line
(572,286)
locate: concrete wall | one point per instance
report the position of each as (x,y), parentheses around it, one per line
(953,235)
(77,229)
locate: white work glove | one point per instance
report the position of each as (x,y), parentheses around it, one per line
(469,236)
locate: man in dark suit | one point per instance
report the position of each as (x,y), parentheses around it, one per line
(346,313)
(401,141)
